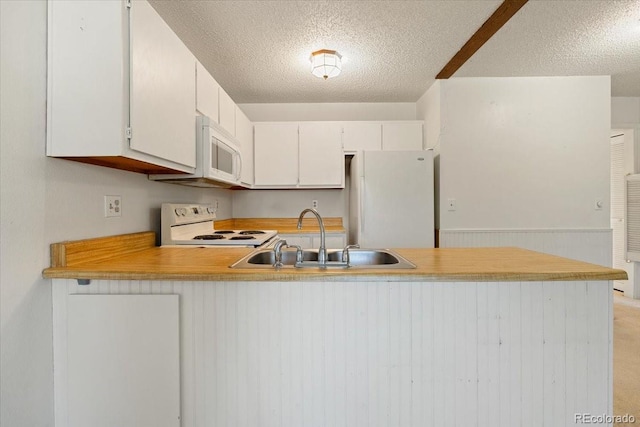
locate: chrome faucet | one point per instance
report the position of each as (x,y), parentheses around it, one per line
(277,249)
(322,251)
(345,253)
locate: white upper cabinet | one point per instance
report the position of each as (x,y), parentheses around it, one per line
(162,89)
(402,136)
(298,155)
(388,136)
(206,93)
(276,154)
(362,136)
(105,108)
(227,112)
(212,101)
(321,157)
(244,135)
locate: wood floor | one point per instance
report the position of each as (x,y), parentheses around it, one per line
(626,358)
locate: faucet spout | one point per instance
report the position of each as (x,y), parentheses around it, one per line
(322,251)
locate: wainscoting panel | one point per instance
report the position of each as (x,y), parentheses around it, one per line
(589,245)
(379,354)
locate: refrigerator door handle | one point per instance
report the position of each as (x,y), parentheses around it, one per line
(362,196)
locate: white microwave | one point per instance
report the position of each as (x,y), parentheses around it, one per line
(218,159)
(220,156)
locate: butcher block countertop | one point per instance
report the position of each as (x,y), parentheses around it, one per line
(283,225)
(135,257)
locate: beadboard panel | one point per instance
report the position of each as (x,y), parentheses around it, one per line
(589,245)
(380,353)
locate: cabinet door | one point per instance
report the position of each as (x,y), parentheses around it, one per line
(244,135)
(227,111)
(123,361)
(362,136)
(206,93)
(321,155)
(276,154)
(402,136)
(86,101)
(163,91)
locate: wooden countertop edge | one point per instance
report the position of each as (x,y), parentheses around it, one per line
(328,276)
(135,257)
(76,252)
(328,230)
(283,225)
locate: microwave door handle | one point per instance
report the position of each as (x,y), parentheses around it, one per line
(239,160)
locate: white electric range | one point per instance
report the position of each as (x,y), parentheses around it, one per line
(191,224)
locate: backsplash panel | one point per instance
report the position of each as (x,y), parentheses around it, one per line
(589,245)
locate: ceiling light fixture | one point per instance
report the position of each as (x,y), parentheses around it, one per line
(325,63)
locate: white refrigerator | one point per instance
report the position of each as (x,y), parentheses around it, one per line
(391,202)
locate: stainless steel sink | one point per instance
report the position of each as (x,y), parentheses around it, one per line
(358,259)
(267,257)
(368,257)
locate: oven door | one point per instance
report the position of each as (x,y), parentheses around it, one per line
(223,160)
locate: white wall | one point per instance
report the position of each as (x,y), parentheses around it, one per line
(428,109)
(286,203)
(330,111)
(625,112)
(525,153)
(26,380)
(75,192)
(45,200)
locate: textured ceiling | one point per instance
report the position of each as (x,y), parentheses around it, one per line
(259,50)
(561,38)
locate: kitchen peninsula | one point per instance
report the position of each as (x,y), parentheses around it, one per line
(471,336)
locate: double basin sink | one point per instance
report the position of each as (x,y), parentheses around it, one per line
(357,258)
(285,256)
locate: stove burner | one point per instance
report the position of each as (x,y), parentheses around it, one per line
(247,232)
(224,231)
(208,237)
(241,238)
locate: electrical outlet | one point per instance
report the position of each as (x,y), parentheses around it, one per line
(451,204)
(112,206)
(314,204)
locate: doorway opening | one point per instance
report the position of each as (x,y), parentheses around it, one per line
(622,164)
